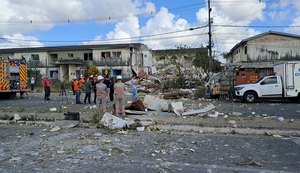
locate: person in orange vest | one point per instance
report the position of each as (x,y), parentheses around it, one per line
(119,90)
(46,85)
(102,91)
(77,90)
(82,82)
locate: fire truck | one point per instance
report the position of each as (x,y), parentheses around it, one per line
(13,77)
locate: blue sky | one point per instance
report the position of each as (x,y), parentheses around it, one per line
(75,22)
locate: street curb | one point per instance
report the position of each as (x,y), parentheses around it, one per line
(241,131)
(188,128)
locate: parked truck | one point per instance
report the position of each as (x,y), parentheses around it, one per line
(13,77)
(284,84)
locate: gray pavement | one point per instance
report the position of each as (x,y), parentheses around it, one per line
(36,149)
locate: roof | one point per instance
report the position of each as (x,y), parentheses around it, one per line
(69,48)
(262,35)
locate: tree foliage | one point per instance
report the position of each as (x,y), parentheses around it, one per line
(92,70)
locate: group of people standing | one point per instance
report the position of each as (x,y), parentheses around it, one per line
(104,90)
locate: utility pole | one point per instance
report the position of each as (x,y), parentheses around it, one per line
(209,38)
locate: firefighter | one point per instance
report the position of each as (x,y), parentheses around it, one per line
(102,91)
(119,89)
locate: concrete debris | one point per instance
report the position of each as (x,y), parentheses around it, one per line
(231,122)
(54,129)
(292,120)
(177,107)
(277,136)
(90,107)
(236,114)
(112,122)
(140,129)
(16,117)
(199,111)
(225,116)
(280,119)
(155,103)
(53,109)
(214,115)
(253,113)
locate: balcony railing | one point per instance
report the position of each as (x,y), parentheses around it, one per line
(35,64)
(111,62)
(69,61)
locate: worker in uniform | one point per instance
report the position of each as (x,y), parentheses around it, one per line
(77,90)
(119,90)
(102,95)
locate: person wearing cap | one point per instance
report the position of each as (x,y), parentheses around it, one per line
(46,85)
(102,91)
(77,90)
(119,90)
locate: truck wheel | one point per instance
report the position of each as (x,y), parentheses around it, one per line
(250,97)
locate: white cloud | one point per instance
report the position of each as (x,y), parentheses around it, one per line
(164,22)
(294,30)
(19,40)
(125,29)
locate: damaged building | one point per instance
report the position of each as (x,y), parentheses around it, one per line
(255,57)
(65,62)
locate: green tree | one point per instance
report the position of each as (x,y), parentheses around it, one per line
(92,70)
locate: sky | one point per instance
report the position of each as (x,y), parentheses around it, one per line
(160,24)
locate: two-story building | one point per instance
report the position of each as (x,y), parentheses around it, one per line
(266,47)
(65,62)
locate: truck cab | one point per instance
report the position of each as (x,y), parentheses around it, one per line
(265,87)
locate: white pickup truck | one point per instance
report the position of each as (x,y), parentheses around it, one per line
(284,84)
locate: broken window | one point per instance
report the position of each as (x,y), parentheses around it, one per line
(105,54)
(245,49)
(53,74)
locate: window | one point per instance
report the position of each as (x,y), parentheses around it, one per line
(271,80)
(245,50)
(116,54)
(54,74)
(88,56)
(70,55)
(35,57)
(105,54)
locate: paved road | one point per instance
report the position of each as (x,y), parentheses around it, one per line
(36,149)
(33,102)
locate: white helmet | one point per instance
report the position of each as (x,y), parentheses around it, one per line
(100,78)
(119,77)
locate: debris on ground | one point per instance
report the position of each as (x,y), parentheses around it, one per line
(280,119)
(53,109)
(54,129)
(177,107)
(155,103)
(199,111)
(136,105)
(251,163)
(16,117)
(112,122)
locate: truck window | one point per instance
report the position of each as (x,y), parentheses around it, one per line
(271,80)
